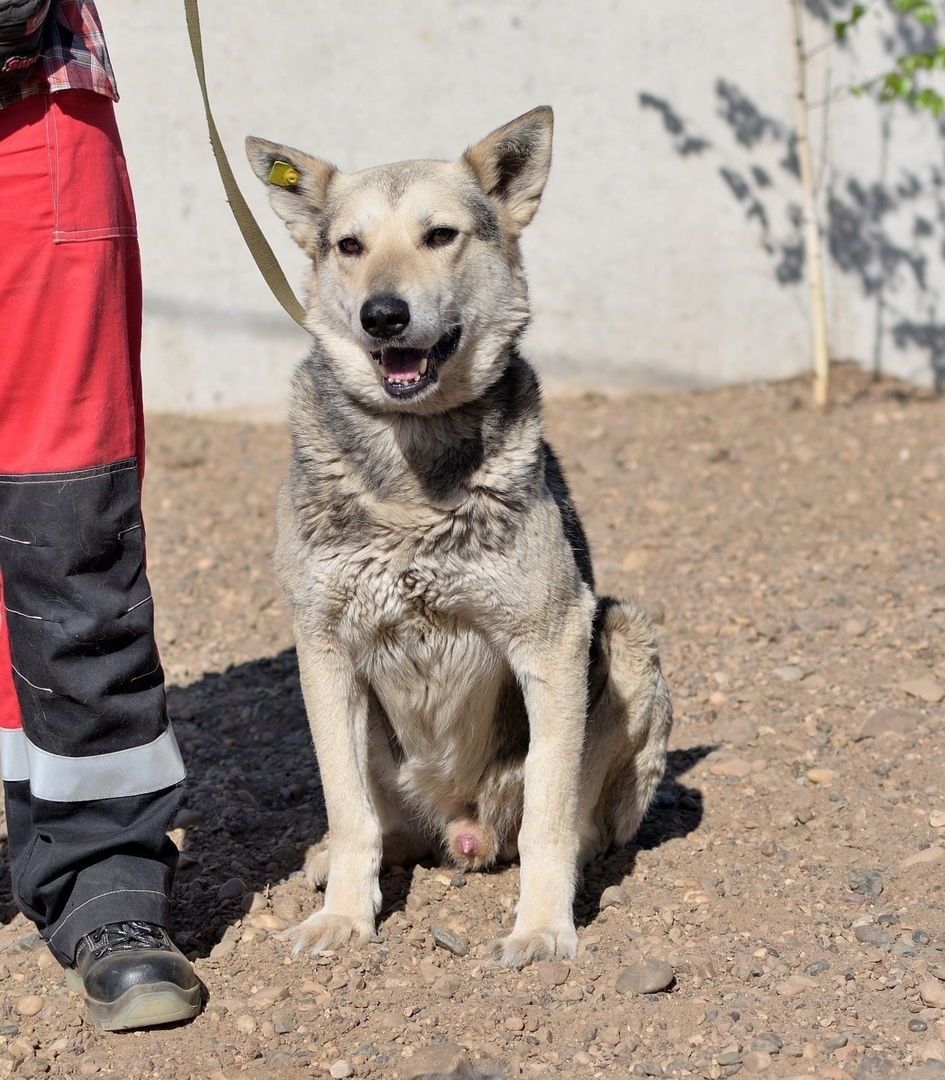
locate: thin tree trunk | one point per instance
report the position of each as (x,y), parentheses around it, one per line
(818,308)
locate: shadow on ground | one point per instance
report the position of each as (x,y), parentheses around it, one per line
(676,811)
(253,804)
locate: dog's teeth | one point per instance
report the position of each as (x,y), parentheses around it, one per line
(423,365)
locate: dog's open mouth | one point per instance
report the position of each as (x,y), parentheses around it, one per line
(408,371)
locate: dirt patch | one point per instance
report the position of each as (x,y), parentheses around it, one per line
(787,884)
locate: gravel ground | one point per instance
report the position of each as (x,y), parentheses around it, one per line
(782,910)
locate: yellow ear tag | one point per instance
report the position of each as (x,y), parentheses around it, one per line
(282,174)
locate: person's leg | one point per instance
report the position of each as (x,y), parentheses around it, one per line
(92,776)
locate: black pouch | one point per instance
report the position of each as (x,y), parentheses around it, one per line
(21,38)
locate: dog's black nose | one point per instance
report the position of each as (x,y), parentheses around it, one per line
(384,316)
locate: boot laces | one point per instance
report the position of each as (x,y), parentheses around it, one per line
(117,937)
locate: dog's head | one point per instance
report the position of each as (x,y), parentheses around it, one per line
(417,287)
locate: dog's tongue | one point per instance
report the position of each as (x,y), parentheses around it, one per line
(403,365)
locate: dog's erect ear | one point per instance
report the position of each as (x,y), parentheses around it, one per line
(512,163)
(297,185)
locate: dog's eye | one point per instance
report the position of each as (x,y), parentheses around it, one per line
(440,237)
(347,245)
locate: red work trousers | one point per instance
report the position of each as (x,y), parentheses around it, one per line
(90,767)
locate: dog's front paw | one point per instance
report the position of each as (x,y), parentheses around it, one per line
(531,946)
(323,931)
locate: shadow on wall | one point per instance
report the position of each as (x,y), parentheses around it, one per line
(886,233)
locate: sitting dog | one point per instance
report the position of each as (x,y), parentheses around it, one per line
(467,692)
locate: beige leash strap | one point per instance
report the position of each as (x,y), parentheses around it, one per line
(258,245)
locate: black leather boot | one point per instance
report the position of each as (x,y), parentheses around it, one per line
(133,976)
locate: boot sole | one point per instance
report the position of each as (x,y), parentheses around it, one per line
(145,1005)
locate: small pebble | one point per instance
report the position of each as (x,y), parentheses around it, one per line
(446,939)
(269,995)
(926,689)
(341,1069)
(932,993)
(836,1042)
(756,1062)
(923,858)
(267,921)
(31,1005)
(766,1043)
(933,1050)
(868,882)
(730,1056)
(915,1024)
(245,1024)
(795,984)
(230,889)
(937,819)
(223,948)
(788,674)
(873,935)
(614,896)
(186,819)
(553,973)
(430,971)
(446,985)
(891,721)
(878,1067)
(287,909)
(284,1022)
(821,775)
(647,977)
(253,903)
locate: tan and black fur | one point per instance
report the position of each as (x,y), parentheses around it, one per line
(467,692)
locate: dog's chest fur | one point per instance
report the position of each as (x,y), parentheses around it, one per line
(409,533)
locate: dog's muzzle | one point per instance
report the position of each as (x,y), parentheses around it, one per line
(407,372)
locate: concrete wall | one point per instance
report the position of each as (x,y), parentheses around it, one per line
(667,250)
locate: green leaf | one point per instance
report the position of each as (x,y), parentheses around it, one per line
(922,10)
(929,99)
(895,86)
(841,27)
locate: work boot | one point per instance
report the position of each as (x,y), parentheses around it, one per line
(133,976)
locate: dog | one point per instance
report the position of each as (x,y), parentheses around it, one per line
(467,691)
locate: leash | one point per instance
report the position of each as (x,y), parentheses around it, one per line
(255,240)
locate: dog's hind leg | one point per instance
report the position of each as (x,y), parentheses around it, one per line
(628,725)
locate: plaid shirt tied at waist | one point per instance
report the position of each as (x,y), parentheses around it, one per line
(74,55)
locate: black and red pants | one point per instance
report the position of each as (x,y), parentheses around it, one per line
(90,765)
